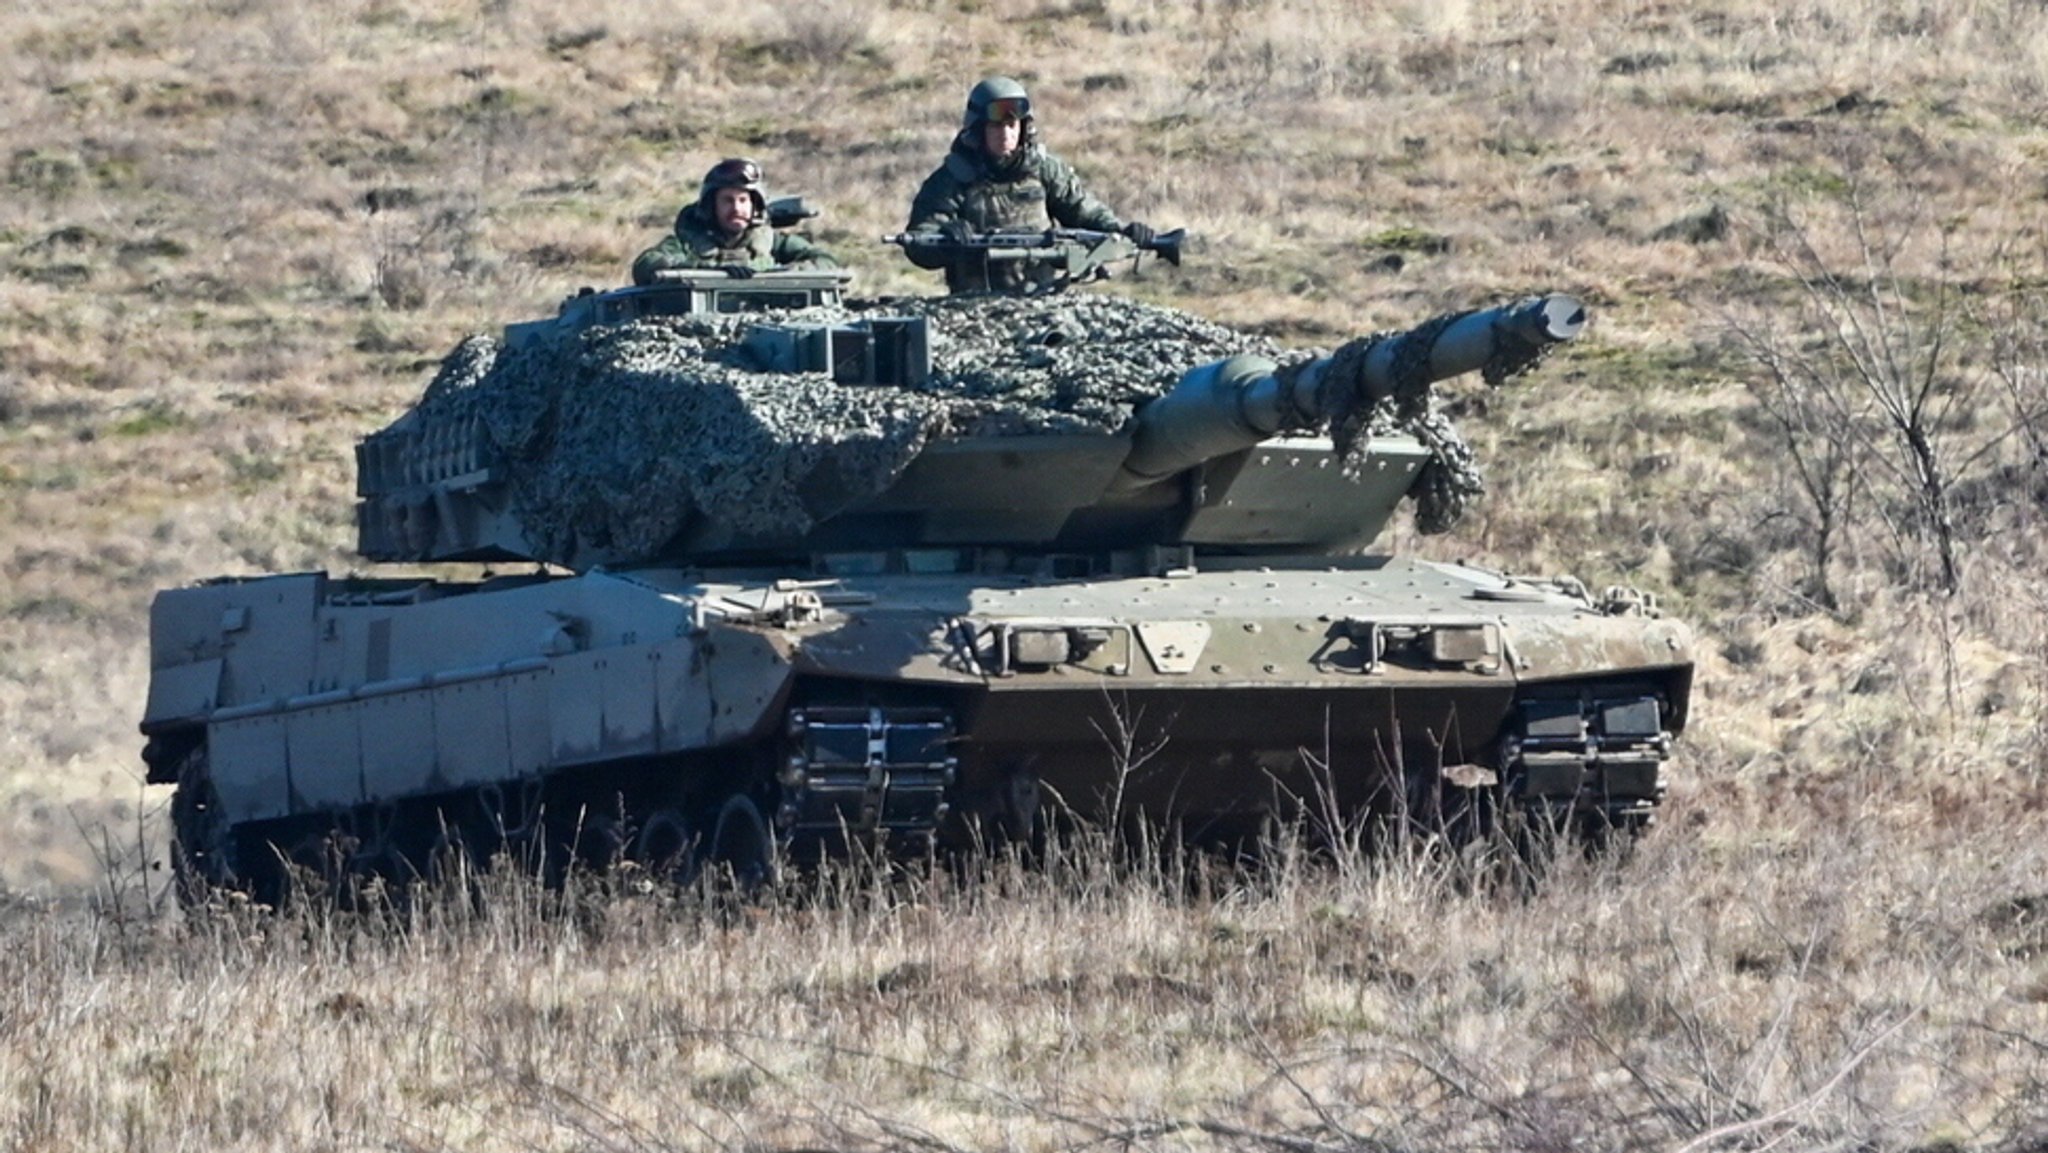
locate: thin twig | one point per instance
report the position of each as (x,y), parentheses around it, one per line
(1847,1067)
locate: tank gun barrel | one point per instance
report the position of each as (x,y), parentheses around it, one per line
(1234,404)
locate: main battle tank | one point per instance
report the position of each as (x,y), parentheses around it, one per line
(772,572)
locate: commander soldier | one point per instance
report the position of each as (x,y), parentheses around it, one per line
(727,228)
(997,176)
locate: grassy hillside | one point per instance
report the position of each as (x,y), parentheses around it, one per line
(236,235)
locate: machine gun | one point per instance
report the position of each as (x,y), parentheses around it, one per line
(789,211)
(1057,257)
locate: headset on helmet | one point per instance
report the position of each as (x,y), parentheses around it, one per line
(736,172)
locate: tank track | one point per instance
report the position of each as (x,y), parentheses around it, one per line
(848,773)
(202,847)
(1590,761)
(859,771)
(545,832)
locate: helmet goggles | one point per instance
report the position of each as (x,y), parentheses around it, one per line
(1009,109)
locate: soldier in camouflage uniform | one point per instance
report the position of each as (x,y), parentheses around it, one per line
(727,228)
(998,177)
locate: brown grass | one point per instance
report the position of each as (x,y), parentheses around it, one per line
(235,236)
(1813,987)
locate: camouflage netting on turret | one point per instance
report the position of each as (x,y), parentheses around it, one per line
(619,438)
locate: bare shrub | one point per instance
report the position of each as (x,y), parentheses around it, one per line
(419,255)
(1309,48)
(1865,370)
(827,32)
(401,281)
(2016,320)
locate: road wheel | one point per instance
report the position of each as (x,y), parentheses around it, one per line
(667,847)
(742,850)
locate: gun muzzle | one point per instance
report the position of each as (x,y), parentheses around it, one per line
(1167,245)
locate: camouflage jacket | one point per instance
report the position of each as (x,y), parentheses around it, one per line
(1039,191)
(698,243)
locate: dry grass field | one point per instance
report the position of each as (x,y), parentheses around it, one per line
(1812,416)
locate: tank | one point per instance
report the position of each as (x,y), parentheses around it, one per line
(724,570)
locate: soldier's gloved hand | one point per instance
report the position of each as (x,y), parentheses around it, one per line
(1140,232)
(957,231)
(737,271)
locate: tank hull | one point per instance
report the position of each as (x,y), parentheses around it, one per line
(569,715)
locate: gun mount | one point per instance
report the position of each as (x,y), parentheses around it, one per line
(689,292)
(1057,257)
(899,605)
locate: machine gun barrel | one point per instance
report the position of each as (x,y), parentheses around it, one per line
(1044,244)
(1232,405)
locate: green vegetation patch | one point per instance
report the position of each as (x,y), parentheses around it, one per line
(557,255)
(251,473)
(778,133)
(782,58)
(1512,146)
(376,337)
(1637,63)
(52,478)
(51,607)
(203,287)
(1408,238)
(1173,121)
(652,127)
(569,42)
(1809,180)
(44,171)
(67,236)
(1185,138)
(1703,226)
(180,101)
(1661,362)
(152,248)
(1714,103)
(385,15)
(78,40)
(116,171)
(61,275)
(494,104)
(150,419)
(897,85)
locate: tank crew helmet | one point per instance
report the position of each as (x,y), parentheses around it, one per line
(996,100)
(735,172)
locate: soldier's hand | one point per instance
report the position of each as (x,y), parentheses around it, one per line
(737,271)
(1140,232)
(957,231)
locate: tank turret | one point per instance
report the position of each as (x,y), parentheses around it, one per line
(887,458)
